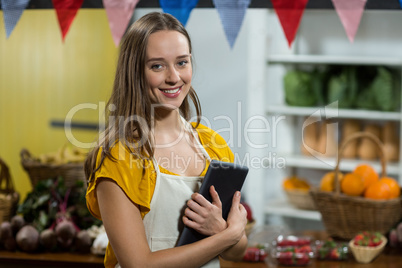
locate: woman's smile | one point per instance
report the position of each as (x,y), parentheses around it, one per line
(171,92)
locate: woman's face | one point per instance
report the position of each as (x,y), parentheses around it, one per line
(168,68)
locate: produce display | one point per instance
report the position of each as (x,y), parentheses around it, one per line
(51,218)
(296,183)
(65,154)
(367,245)
(349,127)
(292,250)
(331,250)
(294,256)
(292,241)
(319,138)
(368,239)
(363,181)
(395,236)
(356,87)
(256,253)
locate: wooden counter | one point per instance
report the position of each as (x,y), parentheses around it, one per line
(35,260)
(389,258)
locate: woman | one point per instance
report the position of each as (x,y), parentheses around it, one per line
(149,163)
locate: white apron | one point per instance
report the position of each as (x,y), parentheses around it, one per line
(163,223)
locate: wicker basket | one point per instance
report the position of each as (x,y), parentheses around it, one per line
(367,254)
(37,171)
(344,216)
(300,199)
(9,198)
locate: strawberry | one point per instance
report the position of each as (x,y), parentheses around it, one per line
(368,239)
(304,249)
(303,259)
(334,254)
(286,258)
(255,254)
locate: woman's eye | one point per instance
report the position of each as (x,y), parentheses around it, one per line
(182,63)
(156,67)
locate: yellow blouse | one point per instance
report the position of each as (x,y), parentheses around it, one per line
(137,177)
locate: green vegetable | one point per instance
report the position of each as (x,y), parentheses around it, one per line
(298,90)
(318,82)
(343,88)
(51,199)
(382,93)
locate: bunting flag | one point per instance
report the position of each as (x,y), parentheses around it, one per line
(232,14)
(66,11)
(400,3)
(289,13)
(181,9)
(12,11)
(119,14)
(350,13)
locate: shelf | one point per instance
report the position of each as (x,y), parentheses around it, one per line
(331,59)
(333,112)
(281,207)
(302,161)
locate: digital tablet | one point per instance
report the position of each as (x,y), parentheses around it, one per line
(227,178)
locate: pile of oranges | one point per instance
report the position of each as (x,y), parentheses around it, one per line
(363,181)
(296,183)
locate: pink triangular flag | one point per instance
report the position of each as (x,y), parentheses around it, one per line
(350,13)
(66,11)
(119,14)
(289,13)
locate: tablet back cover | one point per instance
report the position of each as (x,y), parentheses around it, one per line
(227,178)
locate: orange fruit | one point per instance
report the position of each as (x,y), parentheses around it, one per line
(288,184)
(368,174)
(393,186)
(295,183)
(378,190)
(327,181)
(352,184)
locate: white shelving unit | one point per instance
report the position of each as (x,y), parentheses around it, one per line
(332,112)
(333,60)
(346,165)
(282,208)
(278,63)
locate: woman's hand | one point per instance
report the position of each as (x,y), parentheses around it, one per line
(237,218)
(203,216)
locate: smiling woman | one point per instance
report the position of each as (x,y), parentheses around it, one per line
(148,165)
(168,69)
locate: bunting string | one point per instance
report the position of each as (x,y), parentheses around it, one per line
(231,14)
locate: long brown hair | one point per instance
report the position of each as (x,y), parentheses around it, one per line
(130,98)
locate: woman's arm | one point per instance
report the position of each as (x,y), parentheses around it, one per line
(206,218)
(126,233)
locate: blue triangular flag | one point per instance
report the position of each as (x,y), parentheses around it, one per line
(232,14)
(400,3)
(181,9)
(12,11)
